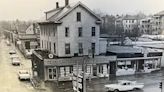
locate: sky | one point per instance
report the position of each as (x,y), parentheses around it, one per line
(34,9)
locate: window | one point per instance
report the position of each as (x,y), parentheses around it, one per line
(41,32)
(67,48)
(93,47)
(42,43)
(49,31)
(67,32)
(50,46)
(80,48)
(65,71)
(44,31)
(47,45)
(27,45)
(71,69)
(54,29)
(101,69)
(132,21)
(54,48)
(52,73)
(93,31)
(80,31)
(78,16)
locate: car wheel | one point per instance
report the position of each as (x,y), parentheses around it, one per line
(19,78)
(116,90)
(135,89)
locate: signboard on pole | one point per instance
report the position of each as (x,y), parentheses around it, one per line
(77,82)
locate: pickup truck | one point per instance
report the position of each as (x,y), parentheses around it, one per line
(124,85)
(24,75)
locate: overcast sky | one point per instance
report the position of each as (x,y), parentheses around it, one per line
(34,9)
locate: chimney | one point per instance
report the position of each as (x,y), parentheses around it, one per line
(57,5)
(66,2)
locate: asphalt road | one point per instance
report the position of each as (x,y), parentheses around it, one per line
(151,82)
(8,73)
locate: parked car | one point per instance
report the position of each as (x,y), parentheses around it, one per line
(14,56)
(15,61)
(12,51)
(124,85)
(23,75)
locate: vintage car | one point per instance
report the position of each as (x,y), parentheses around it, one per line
(14,56)
(12,51)
(15,61)
(23,75)
(124,85)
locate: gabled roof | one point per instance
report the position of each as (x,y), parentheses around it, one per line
(59,13)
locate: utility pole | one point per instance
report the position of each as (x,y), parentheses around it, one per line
(84,69)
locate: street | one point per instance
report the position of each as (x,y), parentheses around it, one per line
(151,82)
(9,79)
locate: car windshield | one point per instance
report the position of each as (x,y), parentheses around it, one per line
(17,59)
(23,72)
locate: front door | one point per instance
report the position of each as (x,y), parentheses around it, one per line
(140,65)
(112,70)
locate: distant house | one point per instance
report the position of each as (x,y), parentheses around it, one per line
(29,40)
(129,23)
(146,25)
(158,23)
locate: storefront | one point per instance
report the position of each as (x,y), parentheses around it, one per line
(61,69)
(126,67)
(130,66)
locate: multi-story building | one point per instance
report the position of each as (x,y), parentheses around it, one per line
(129,23)
(145,25)
(119,25)
(71,29)
(68,34)
(158,23)
(29,40)
(26,41)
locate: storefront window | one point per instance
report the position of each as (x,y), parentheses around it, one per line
(52,73)
(100,68)
(66,71)
(125,64)
(151,64)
